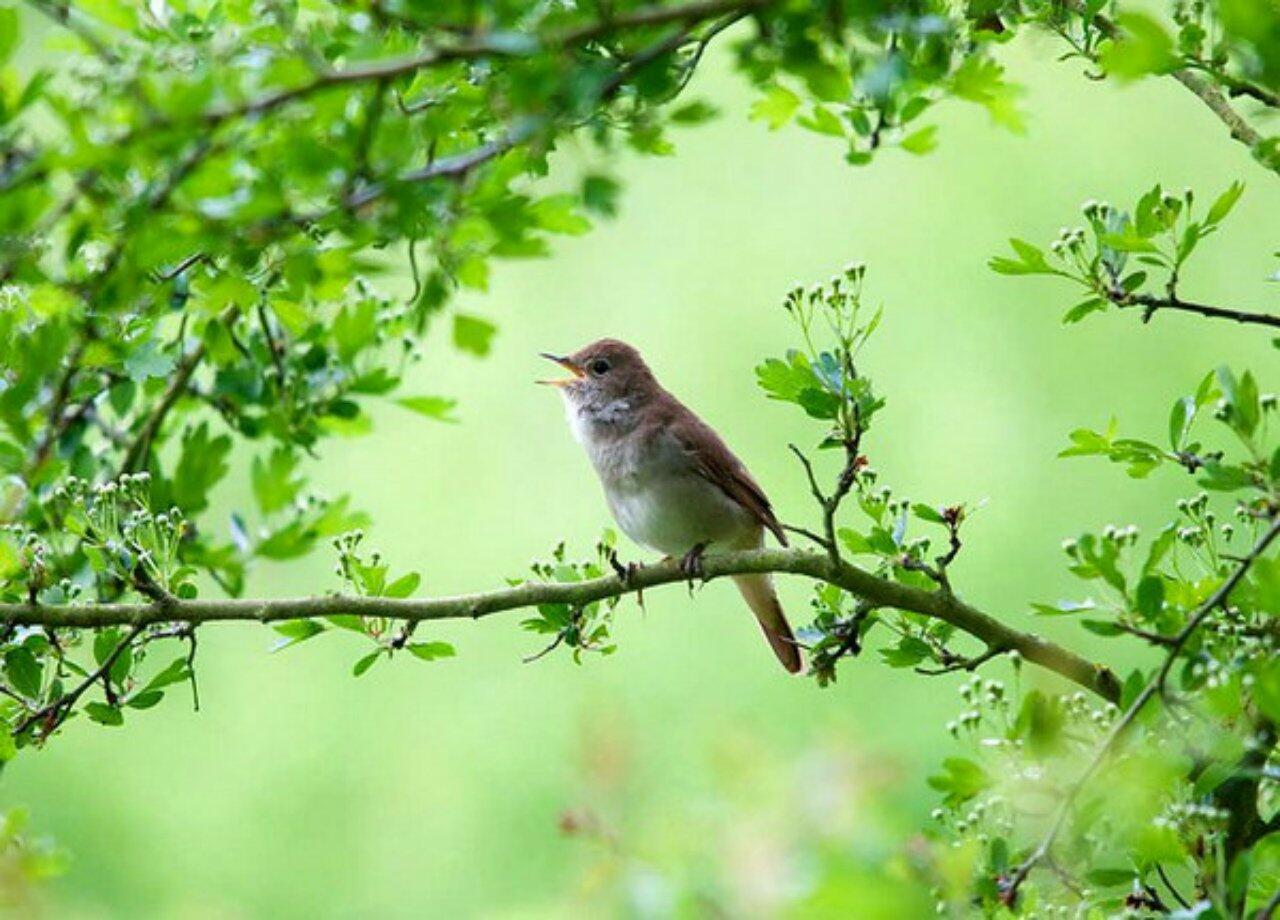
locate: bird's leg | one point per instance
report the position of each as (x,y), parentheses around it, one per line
(691,564)
(627,574)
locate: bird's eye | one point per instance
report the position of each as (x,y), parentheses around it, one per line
(598,367)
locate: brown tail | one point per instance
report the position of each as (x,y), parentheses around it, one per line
(763,601)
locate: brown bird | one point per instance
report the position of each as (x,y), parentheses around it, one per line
(670,481)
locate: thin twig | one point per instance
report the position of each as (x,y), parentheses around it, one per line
(965,664)
(1152,304)
(1154,687)
(135,457)
(1205,90)
(53,714)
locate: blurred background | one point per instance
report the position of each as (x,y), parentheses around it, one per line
(679,775)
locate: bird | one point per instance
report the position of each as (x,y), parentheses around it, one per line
(671,483)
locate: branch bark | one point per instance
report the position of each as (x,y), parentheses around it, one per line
(1152,304)
(1204,89)
(1154,687)
(819,566)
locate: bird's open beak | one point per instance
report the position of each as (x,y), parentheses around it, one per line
(567,364)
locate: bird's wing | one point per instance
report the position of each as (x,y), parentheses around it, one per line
(713,460)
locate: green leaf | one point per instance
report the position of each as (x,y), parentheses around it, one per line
(439,408)
(908,652)
(404,586)
(961,779)
(1225,202)
(694,112)
(980,79)
(174,672)
(104,714)
(600,195)
(147,360)
(1040,723)
(1267,690)
(822,120)
(1129,240)
(295,631)
(201,466)
(1143,47)
(1220,477)
(473,272)
(274,485)
(431,651)
(558,214)
(1031,261)
(365,663)
(1160,546)
(348,621)
(1062,608)
(355,328)
(775,107)
(855,542)
(1110,878)
(927,513)
(473,334)
(1083,309)
(1102,627)
(1149,596)
(920,141)
(1180,418)
(24,671)
(145,699)
(10,33)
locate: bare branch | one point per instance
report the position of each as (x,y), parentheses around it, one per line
(965,664)
(1151,304)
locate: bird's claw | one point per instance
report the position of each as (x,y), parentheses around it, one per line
(691,565)
(627,574)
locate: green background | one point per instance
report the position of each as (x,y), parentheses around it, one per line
(440,788)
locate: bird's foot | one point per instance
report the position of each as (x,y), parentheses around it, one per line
(691,564)
(627,574)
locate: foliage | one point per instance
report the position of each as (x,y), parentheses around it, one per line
(1161,234)
(197,207)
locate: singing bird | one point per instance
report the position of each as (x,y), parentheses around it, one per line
(670,481)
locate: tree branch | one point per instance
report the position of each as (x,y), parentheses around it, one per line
(135,457)
(1205,90)
(1151,303)
(53,714)
(880,592)
(481,46)
(1154,687)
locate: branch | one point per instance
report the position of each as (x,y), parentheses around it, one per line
(479,46)
(1205,90)
(135,457)
(53,714)
(880,592)
(454,167)
(965,664)
(62,14)
(460,165)
(1125,722)
(1151,303)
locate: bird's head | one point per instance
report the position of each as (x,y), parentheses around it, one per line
(603,373)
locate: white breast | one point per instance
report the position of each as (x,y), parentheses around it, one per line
(655,493)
